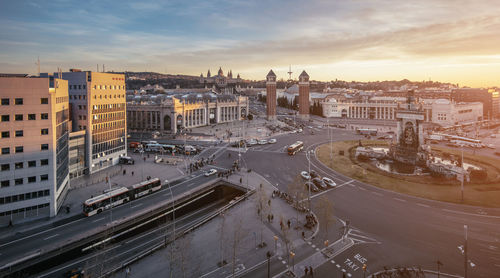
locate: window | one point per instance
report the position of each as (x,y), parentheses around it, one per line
(32,163)
(19,133)
(19,165)
(5,167)
(44,162)
(44,131)
(44,177)
(5,101)
(5,118)
(44,100)
(5,183)
(84,87)
(18,101)
(19,149)
(5,134)
(18,181)
(28,195)
(45,116)
(5,150)
(32,179)
(19,117)
(31,117)
(44,147)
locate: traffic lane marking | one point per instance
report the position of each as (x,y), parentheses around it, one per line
(423,205)
(52,236)
(138,205)
(98,219)
(377,193)
(398,199)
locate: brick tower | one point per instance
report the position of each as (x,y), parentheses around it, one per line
(271,95)
(304,95)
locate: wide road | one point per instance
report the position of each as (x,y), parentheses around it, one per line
(19,248)
(394,229)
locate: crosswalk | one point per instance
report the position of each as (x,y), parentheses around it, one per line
(360,237)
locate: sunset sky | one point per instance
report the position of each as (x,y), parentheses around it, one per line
(442,40)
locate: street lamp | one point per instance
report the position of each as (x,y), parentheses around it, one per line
(292,254)
(439,264)
(308,155)
(275,243)
(173,213)
(268,254)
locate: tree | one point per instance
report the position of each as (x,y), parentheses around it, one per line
(325,214)
(237,234)
(263,208)
(298,192)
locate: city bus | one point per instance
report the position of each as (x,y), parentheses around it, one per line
(119,196)
(295,147)
(366,131)
(463,141)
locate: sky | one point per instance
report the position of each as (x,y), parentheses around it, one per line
(455,41)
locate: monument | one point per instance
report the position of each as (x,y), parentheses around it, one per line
(410,135)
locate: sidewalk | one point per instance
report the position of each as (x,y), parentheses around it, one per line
(85,187)
(238,232)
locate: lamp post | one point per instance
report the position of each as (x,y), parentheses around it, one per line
(439,264)
(173,213)
(268,254)
(275,243)
(465,251)
(308,155)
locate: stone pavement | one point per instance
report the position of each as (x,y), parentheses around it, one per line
(235,236)
(88,186)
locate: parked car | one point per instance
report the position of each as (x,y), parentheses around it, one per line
(252,142)
(491,146)
(262,142)
(311,186)
(210,172)
(299,130)
(329,182)
(493,136)
(305,175)
(319,183)
(272,141)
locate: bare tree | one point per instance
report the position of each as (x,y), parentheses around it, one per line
(297,190)
(238,233)
(222,238)
(325,214)
(184,252)
(263,209)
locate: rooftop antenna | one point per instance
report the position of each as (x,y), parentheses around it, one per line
(103,68)
(97,67)
(290,73)
(38,65)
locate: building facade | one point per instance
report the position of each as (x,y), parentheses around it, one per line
(439,111)
(271,96)
(490,99)
(98,105)
(304,95)
(34,126)
(171,114)
(220,83)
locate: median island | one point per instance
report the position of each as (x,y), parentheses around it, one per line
(481,185)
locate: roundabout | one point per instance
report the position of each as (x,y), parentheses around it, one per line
(479,191)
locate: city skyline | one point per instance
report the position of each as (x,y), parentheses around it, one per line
(382,40)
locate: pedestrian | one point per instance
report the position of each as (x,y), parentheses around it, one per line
(288,223)
(311,271)
(10,223)
(132,173)
(306,270)
(240,180)
(127,271)
(269,202)
(303,234)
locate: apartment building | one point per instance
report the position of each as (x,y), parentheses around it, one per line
(34,132)
(98,105)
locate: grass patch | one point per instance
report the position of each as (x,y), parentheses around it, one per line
(479,194)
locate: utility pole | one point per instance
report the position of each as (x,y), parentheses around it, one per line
(465,251)
(462,175)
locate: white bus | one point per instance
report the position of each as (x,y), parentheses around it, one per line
(120,196)
(468,142)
